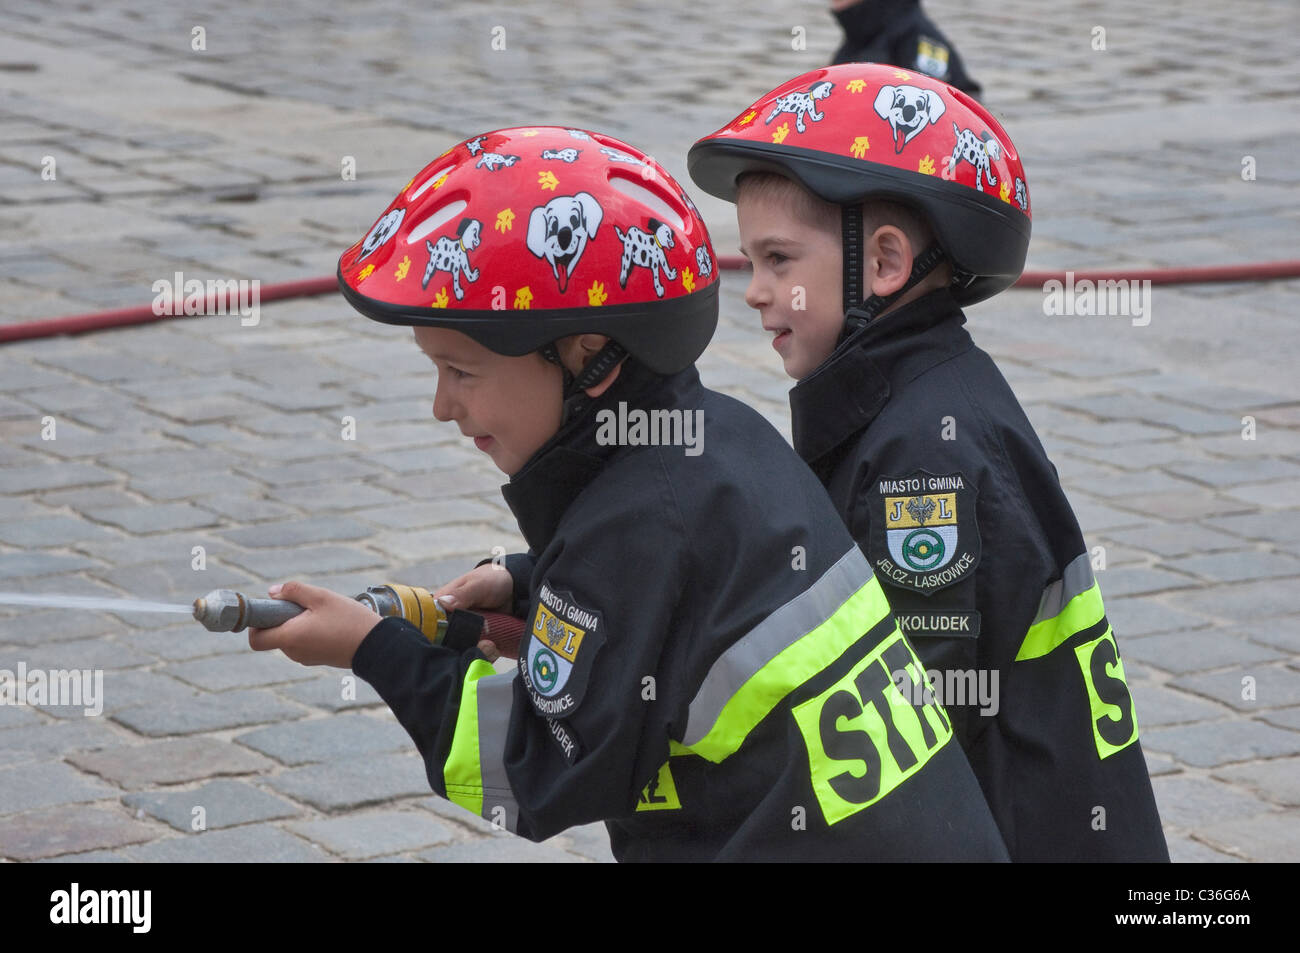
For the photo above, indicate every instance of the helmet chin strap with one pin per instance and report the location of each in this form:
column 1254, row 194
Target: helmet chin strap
column 595, row 371
column 859, row 310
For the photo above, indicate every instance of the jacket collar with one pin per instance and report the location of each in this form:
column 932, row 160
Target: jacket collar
column 848, row 391
column 541, row 493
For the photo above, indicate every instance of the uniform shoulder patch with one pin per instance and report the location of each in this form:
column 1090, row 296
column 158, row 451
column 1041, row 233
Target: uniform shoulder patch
column 562, row 641
column 923, row 535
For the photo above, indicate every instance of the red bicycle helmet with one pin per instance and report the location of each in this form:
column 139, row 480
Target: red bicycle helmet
column 520, row 237
column 869, row 131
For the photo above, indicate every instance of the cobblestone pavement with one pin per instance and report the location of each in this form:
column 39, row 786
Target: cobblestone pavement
column 1178, row 439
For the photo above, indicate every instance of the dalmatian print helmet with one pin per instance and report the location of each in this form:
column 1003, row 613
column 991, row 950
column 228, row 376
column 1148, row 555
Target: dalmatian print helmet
column 867, row 130
column 523, row 236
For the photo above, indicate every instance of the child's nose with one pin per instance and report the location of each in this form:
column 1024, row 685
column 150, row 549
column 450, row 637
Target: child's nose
column 756, row 294
column 444, row 408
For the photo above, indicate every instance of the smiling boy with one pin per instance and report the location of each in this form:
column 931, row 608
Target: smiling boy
column 710, row 674
column 866, row 233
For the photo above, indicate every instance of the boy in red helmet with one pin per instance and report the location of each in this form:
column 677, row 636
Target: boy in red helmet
column 901, row 200
column 709, row 674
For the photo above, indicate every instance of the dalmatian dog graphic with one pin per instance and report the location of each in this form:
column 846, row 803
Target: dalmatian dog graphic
column 475, row 146
column 564, row 155
column 908, row 110
column 617, row 155
column 802, row 104
column 452, row 255
column 703, row 264
column 559, row 231
column 579, row 134
column 1022, row 195
column 494, row 160
column 384, row 229
column 977, row 150
column 646, row 250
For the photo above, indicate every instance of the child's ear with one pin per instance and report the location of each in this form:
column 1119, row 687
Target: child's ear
column 889, row 260
column 577, row 350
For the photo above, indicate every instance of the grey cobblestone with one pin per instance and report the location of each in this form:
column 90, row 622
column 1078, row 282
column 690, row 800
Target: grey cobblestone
column 77, row 830
column 1278, row 780
column 47, row 476
column 1241, row 601
column 328, row 739
column 339, row 497
column 47, row 784
column 1261, row 837
column 38, row 628
column 1227, row 473
column 1266, row 527
column 297, row 532
column 365, row 836
column 334, row 692
column 29, row 563
column 266, row 842
column 156, row 518
column 239, row 670
column 285, row 563
column 1264, row 687
column 212, row 806
column 509, row 849
column 355, row 782
column 1237, row 567
column 1227, row 743
column 209, row 713
column 1192, row 803
column 174, row 761
column 1158, row 705
column 1131, row 581
column 47, row 531
column 1183, row 652
column 1174, row 539
column 1184, row 851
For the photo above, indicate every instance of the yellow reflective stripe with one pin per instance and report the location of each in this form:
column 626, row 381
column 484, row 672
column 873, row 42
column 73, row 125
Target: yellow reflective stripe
column 1081, row 612
column 462, row 773
column 790, row 668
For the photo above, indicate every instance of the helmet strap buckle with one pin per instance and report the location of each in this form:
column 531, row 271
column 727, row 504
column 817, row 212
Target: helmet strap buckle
column 860, row 315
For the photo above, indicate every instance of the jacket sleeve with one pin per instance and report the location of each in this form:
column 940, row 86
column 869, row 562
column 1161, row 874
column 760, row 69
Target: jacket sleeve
column 575, row 733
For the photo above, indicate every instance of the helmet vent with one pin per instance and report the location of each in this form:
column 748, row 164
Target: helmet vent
column 444, row 214
column 655, row 202
column 424, row 186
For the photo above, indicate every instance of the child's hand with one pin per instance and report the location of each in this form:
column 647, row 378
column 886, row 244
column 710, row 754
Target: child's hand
column 486, row 588
column 327, row 633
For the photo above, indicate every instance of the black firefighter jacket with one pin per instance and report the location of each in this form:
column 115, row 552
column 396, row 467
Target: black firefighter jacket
column 942, row 481
column 709, row 665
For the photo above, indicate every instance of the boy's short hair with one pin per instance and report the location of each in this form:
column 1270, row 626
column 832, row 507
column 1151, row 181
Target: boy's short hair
column 815, row 212
column 801, row 204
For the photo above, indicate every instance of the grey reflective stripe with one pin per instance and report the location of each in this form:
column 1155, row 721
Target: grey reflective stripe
column 760, row 644
column 495, row 699
column 1077, row 578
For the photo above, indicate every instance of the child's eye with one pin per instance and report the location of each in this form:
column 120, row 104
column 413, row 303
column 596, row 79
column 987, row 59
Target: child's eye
column 776, row 258
column 457, row 373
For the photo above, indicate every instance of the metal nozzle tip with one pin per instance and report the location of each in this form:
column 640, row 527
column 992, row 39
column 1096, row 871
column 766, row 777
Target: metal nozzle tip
column 200, row 607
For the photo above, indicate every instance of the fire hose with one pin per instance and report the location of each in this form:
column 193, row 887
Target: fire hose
column 216, row 303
